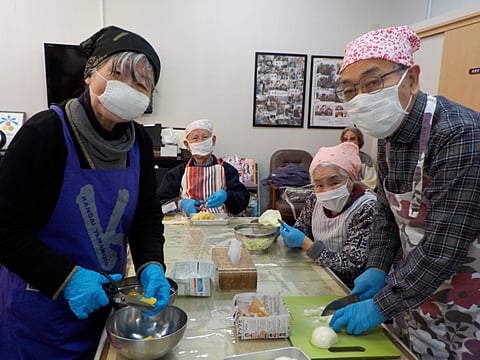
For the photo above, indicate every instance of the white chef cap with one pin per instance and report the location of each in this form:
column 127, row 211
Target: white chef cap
column 204, row 124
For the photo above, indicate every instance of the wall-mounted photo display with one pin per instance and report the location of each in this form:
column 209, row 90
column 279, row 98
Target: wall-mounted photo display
column 279, row 93
column 325, row 109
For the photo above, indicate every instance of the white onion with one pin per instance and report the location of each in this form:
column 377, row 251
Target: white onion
column 323, row 337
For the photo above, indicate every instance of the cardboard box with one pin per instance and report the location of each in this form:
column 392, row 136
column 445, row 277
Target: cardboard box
column 194, row 277
column 234, row 277
column 274, row 326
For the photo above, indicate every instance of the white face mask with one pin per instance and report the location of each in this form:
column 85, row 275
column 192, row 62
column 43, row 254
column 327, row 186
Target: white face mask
column 122, row 100
column 334, row 200
column 202, row 148
column 379, row 114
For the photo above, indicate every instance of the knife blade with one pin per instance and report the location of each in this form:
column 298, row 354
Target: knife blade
column 339, row 303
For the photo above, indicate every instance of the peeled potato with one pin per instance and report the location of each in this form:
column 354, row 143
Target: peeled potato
column 323, row 337
column 150, row 300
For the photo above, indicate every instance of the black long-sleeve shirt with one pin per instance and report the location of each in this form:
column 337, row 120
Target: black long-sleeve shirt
column 31, row 176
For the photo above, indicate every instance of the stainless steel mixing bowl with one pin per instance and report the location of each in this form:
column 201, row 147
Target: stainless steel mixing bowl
column 256, row 237
column 138, row 337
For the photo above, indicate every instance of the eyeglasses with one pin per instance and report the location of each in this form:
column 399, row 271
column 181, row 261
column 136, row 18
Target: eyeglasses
column 370, row 84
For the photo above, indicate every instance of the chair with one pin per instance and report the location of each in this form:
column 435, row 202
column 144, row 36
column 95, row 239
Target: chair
column 278, row 159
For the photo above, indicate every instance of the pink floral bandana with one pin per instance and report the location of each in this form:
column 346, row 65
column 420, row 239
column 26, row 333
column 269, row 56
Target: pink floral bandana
column 396, row 44
column 345, row 156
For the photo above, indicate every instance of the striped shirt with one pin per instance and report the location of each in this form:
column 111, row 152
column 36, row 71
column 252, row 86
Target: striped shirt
column 452, row 221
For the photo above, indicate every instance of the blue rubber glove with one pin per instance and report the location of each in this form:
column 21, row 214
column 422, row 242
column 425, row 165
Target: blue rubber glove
column 357, row 318
column 216, row 199
column 156, row 285
column 369, row 283
column 291, row 237
column 189, row 206
column 84, row 291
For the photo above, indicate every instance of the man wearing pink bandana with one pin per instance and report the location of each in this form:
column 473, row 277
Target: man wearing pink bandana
column 423, row 269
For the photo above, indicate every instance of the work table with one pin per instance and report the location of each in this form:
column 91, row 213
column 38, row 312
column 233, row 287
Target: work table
column 210, row 332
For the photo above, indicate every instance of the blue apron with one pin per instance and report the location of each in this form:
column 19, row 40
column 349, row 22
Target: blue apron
column 89, row 225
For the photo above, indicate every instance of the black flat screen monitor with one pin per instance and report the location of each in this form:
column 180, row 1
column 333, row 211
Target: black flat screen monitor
column 64, row 65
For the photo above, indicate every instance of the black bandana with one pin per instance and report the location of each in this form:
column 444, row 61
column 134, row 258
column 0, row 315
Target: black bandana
column 111, row 40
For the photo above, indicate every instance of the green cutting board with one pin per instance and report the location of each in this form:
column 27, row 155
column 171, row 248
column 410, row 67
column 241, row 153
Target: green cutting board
column 374, row 343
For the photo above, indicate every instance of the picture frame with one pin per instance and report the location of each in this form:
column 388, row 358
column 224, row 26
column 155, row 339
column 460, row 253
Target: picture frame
column 325, row 110
column 10, row 123
column 279, row 89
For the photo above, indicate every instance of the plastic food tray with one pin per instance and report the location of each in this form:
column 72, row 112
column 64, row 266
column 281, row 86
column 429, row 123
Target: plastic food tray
column 291, row 351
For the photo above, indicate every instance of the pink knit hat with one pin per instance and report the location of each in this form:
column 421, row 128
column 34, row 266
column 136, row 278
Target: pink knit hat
column 396, row 44
column 344, row 155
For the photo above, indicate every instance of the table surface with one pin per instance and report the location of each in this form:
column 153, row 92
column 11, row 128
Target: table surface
column 210, row 333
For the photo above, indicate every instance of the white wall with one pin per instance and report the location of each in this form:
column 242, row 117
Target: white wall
column 207, row 50
column 442, row 7
column 24, row 27
column 429, row 57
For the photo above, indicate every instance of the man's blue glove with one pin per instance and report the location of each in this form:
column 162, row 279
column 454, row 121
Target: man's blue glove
column 357, row 318
column 84, row 291
column 216, row 199
column 369, row 283
column 189, row 206
column 291, row 236
column 156, row 285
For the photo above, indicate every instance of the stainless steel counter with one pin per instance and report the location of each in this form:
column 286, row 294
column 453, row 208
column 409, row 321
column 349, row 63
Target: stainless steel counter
column 210, row 333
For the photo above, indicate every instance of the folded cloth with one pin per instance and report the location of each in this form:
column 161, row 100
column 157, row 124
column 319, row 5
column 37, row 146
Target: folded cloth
column 288, row 175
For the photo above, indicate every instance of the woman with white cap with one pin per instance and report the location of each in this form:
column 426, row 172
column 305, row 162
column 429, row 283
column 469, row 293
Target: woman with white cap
column 334, row 226
column 428, row 202
column 204, row 182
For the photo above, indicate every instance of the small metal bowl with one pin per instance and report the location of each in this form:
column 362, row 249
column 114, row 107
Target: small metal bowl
column 138, row 337
column 132, row 283
column 256, row 237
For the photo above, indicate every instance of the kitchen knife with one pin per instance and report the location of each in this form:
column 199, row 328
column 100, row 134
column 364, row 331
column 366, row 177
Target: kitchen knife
column 339, row 303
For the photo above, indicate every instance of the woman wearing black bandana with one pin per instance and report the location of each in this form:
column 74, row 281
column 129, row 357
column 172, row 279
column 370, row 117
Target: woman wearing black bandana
column 76, row 182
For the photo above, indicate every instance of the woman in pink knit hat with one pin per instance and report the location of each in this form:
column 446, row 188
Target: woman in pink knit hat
column 334, row 226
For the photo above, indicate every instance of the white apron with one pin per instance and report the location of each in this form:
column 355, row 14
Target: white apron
column 437, row 328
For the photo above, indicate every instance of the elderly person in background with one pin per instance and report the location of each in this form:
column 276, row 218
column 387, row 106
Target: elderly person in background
column 334, row 226
column 84, row 185
column 368, row 173
column 428, row 198
column 204, row 182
